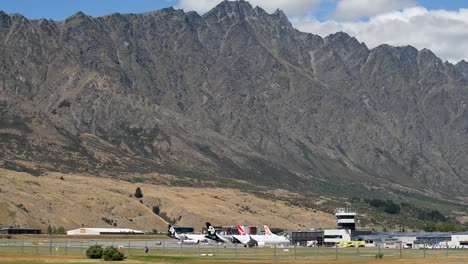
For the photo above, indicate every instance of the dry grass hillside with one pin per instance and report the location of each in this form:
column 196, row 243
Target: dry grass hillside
column 75, row 201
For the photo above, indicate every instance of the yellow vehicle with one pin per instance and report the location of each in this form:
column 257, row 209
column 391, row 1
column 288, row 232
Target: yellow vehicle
column 360, row 243
column 346, row 244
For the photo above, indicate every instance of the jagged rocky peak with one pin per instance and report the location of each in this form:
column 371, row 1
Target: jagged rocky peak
column 18, row 19
column 170, row 11
column 231, row 9
column 5, row 20
column 17, row 16
column 282, row 18
column 77, row 18
column 115, row 16
column 337, row 37
column 243, row 10
column 342, row 39
column 348, row 48
column 117, row 19
column 258, row 11
column 462, row 67
column 79, row 15
column 193, row 14
column 408, row 52
column 194, row 18
column 402, row 53
column 3, row 15
column 236, row 76
column 382, row 50
column 427, row 58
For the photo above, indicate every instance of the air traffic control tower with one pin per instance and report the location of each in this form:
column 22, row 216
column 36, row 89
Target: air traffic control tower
column 345, row 219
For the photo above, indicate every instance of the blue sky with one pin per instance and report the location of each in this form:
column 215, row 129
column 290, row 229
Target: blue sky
column 438, row 25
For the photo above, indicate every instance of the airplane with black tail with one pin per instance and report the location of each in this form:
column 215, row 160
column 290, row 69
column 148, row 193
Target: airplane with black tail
column 213, row 235
column 186, row 238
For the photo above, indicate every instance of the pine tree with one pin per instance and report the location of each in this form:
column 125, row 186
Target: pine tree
column 138, row 193
column 156, row 209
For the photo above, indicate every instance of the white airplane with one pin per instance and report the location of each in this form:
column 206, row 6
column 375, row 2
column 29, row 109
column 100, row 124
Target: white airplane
column 245, row 239
column 271, row 238
column 186, row 238
column 259, row 240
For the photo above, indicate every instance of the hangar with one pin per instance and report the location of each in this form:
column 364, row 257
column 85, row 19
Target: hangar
column 12, row 230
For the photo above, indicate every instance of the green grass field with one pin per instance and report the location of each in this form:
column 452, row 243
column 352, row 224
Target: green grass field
column 135, row 250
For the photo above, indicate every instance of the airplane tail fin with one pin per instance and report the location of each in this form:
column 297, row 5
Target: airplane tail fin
column 211, row 229
column 267, row 231
column 241, row 230
column 171, row 232
column 212, row 234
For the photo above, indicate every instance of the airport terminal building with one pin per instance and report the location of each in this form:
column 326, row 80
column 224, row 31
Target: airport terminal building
column 347, row 235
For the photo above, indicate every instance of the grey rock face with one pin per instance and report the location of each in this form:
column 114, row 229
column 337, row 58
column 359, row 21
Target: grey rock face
column 237, row 93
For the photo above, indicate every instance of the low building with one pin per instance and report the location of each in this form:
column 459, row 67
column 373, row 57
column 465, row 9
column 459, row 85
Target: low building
column 407, row 239
column 433, row 238
column 307, row 238
column 104, row 231
column 19, row 231
column 184, row 229
column 459, row 239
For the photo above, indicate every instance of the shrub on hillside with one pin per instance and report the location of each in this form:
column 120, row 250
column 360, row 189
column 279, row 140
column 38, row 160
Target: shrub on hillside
column 112, row 254
column 156, row 209
column 138, row 193
column 94, row 252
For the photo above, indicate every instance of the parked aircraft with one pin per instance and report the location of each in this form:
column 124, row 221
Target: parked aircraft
column 258, row 240
column 244, row 238
column 270, row 238
column 186, row 238
column 267, row 231
column 213, row 235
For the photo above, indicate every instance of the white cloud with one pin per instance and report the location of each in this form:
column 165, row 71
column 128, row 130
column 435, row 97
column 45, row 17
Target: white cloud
column 354, row 9
column 443, row 32
column 290, row 7
column 200, row 6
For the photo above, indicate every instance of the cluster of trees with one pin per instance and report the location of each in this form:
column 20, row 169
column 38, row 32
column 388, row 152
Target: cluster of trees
column 52, row 230
column 442, row 227
column 433, row 219
column 387, row 205
column 163, row 215
column 423, row 213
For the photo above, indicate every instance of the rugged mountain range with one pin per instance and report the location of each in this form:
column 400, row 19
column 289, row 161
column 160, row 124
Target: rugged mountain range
column 235, row 94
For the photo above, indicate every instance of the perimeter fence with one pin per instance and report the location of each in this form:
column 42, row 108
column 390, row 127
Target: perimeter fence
column 222, row 251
